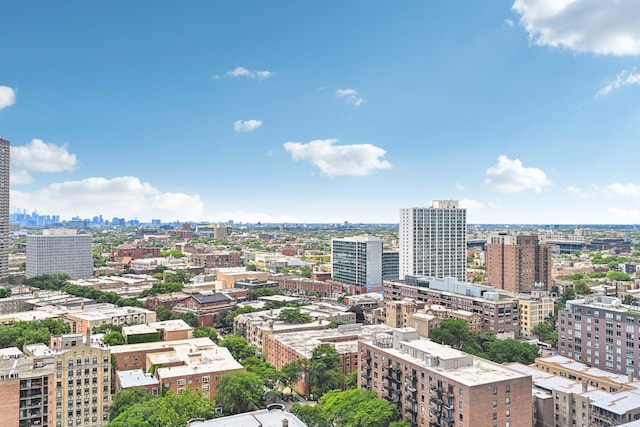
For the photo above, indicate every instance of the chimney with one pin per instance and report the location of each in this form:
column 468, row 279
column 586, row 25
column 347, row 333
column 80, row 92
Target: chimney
column 630, row 375
column 584, row 386
column 285, row 422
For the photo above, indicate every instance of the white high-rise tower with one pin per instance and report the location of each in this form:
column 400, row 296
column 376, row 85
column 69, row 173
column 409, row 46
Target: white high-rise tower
column 433, row 241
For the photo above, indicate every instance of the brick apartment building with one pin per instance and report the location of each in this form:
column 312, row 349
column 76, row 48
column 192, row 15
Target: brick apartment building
column 435, row 385
column 516, row 263
column 499, row 311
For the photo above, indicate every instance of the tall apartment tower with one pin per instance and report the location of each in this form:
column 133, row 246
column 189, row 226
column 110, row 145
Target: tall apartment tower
column 4, row 209
column 516, row 263
column 59, row 251
column 433, row 241
column 357, row 261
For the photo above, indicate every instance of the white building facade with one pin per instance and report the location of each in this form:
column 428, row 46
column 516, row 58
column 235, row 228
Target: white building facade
column 433, row 241
column 59, row 251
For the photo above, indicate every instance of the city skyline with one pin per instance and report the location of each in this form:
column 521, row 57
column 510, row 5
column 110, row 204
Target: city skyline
column 323, row 113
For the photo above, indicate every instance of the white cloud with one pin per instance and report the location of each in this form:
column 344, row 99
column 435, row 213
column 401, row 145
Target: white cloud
column 575, row 190
column 244, row 72
column 7, row 97
column 241, row 126
column 622, row 79
column 336, row 160
column 350, row 96
column 119, row 197
column 38, row 156
column 605, row 27
column 509, row 22
column 459, row 186
column 625, row 190
column 509, row 176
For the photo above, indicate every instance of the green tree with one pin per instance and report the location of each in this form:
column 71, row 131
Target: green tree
column 174, row 410
column 351, row 381
column 510, row 350
column 293, row 315
column 163, row 314
column 189, row 318
column 52, row 282
column 306, row 271
column 252, row 267
column 311, row 415
column 266, row 371
column 206, row 332
column 163, row 288
column 238, row 346
column 325, row 370
column 239, row 391
column 630, row 300
column 114, row 338
column 122, row 399
column 546, row 333
column 582, row 288
column 292, row 372
column 5, row 292
column 358, row 408
column 618, row 276
column 453, row 332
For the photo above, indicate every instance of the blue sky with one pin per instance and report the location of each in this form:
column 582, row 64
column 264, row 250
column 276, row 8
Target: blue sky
column 525, row 111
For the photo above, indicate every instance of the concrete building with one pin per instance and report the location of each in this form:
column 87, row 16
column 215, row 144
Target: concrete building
column 498, row 310
column 357, row 261
column 602, row 332
column 517, row 263
column 59, row 251
column 284, row 348
column 433, row 241
column 436, row 385
column 5, row 150
column 534, row 309
column 82, row 386
column 81, row 319
column 567, row 393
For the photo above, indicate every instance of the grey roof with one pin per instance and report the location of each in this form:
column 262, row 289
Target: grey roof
column 213, row 297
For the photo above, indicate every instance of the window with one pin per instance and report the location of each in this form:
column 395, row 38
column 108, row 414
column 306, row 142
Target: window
column 181, row 381
column 495, row 391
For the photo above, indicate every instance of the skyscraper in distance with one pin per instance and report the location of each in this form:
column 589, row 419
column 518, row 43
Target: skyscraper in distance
column 5, row 149
column 433, row 241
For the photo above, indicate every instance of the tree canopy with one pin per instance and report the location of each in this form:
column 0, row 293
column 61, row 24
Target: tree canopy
column 350, row 408
column 294, row 315
column 456, row 333
column 170, row 410
column 20, row 333
column 239, row 391
column 325, row 370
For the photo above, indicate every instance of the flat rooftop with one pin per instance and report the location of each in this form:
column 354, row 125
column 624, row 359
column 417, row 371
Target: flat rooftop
column 135, row 378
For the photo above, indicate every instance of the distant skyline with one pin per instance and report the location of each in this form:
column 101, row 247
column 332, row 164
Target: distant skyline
column 525, row 111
